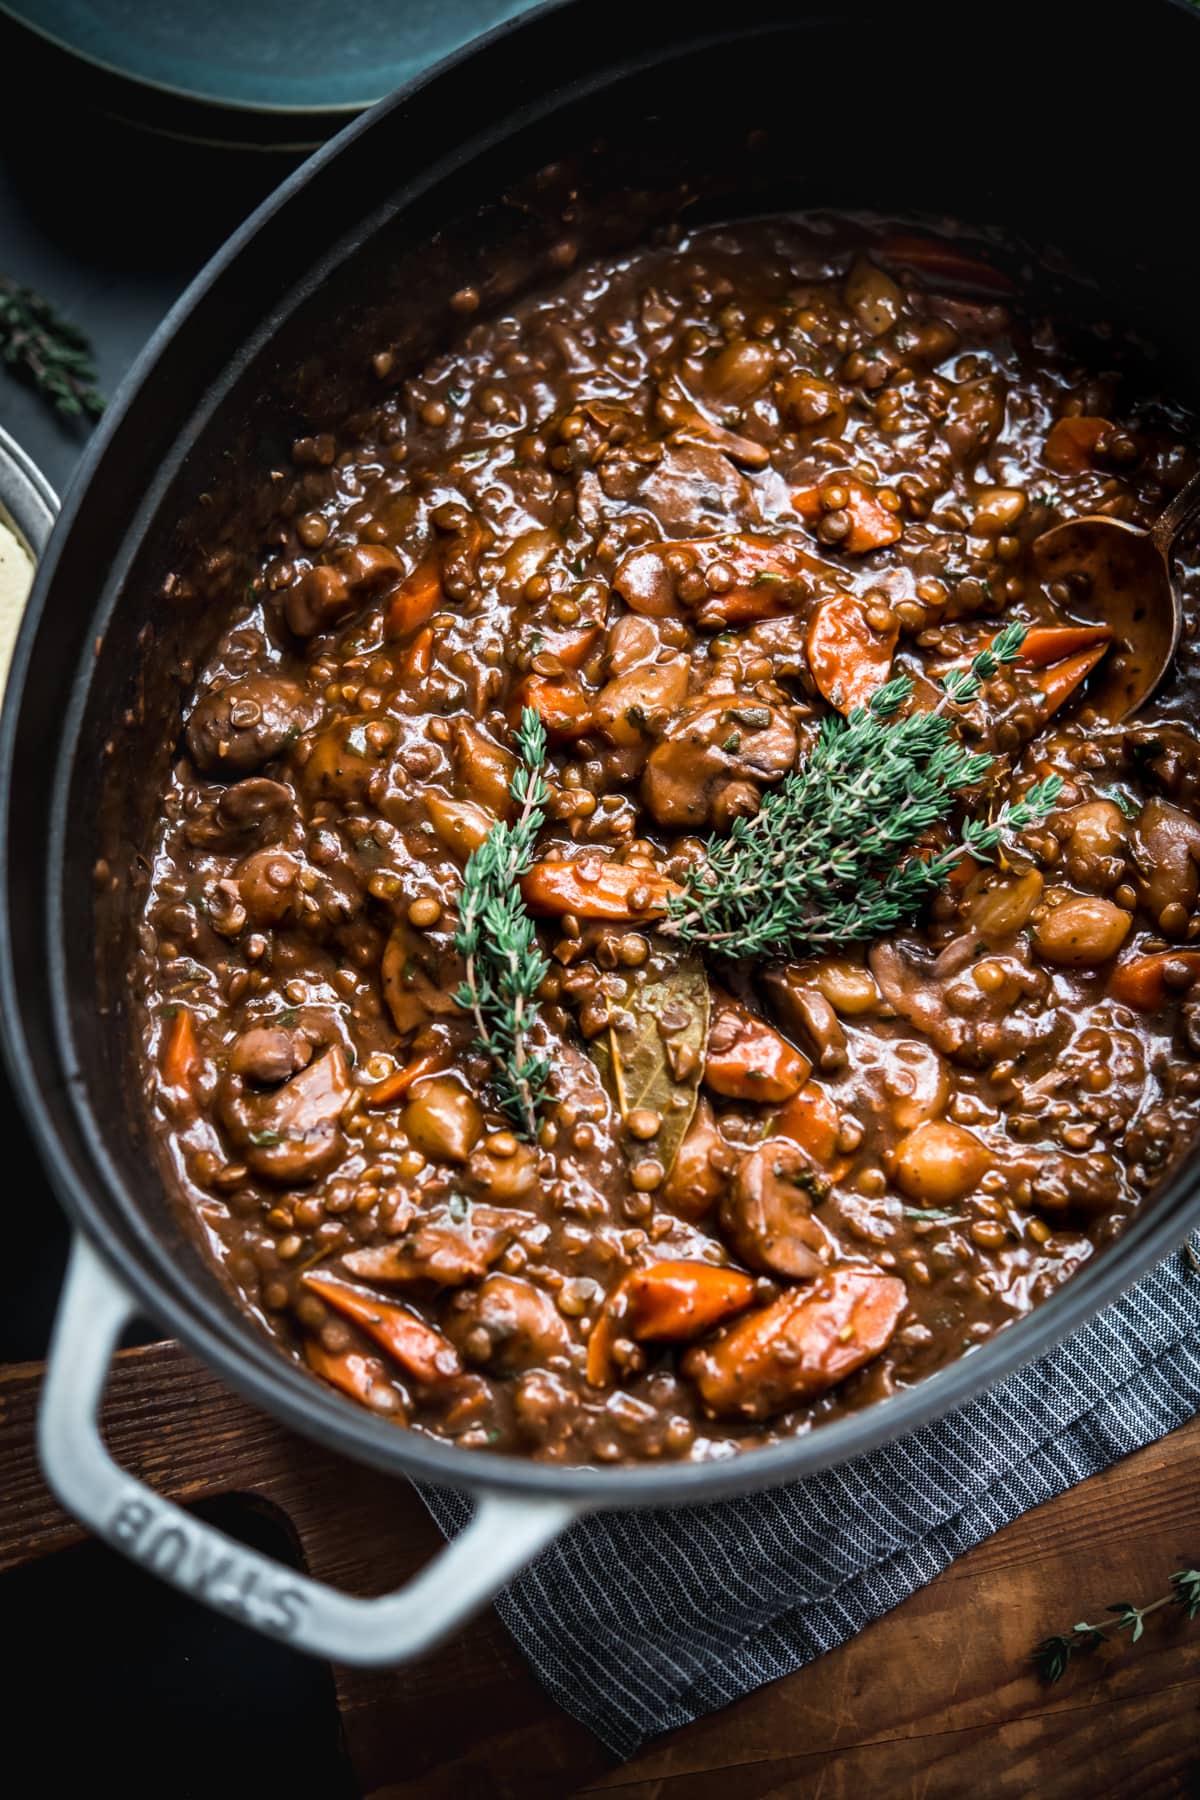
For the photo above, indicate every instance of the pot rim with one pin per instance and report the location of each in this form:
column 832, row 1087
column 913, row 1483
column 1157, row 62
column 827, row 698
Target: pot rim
column 26, row 497
column 208, row 1326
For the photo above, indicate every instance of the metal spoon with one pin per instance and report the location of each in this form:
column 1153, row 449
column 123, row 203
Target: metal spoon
column 1127, row 584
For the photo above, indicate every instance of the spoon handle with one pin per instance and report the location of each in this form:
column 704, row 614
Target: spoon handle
column 1171, row 521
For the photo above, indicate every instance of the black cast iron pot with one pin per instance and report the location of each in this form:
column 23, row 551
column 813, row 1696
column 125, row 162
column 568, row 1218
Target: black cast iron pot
column 1066, row 125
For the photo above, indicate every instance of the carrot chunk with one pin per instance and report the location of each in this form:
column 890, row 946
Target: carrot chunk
column 415, row 600
column 596, row 888
column 849, row 659
column 799, row 1346
column 1146, row 982
column 871, row 524
column 417, row 660
column 748, row 1059
column 1071, row 443
column 1047, row 644
column 811, row 1120
column 667, row 1302
column 769, row 579
column 573, row 646
column 420, row 1351
column 1058, row 683
column 395, row 1086
column 355, row 1374
column 944, row 261
column 181, row 1058
column 560, row 702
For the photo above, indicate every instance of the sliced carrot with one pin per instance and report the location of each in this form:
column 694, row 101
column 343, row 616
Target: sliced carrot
column 417, row 660
column 1057, row 684
column 811, row 1120
column 1047, row 644
column 181, row 1058
column 800, row 1345
column 871, row 524
column 849, row 659
column 596, row 888
column 931, row 256
column 964, row 869
column 355, row 1374
column 1070, row 444
column 767, row 579
column 573, row 647
column 395, row 1086
column 767, row 583
column 421, row 1351
column 748, row 1059
column 668, row 1302
column 415, row 600
column 560, row 702
column 1142, row 982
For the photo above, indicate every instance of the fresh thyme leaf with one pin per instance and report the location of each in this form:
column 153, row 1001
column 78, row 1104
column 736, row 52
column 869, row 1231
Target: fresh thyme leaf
column 497, row 941
column 45, row 350
column 1051, row 1658
column 1128, row 805
column 832, row 855
column 1186, row 1583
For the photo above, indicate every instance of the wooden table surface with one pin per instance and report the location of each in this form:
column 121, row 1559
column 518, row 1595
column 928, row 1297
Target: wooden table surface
column 935, row 1700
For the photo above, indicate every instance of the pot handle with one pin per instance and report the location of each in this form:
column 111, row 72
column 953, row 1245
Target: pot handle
column 505, row 1532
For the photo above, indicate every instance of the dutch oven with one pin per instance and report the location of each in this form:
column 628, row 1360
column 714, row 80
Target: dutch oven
column 1066, row 127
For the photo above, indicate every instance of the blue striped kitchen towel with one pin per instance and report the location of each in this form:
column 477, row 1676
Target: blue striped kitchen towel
column 639, row 1622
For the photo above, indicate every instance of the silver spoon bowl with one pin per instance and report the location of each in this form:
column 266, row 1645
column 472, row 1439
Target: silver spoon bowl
column 1120, row 575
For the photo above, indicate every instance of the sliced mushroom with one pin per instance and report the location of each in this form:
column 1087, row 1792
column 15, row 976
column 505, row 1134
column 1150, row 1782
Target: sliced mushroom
column 268, row 1054
column 1166, row 848
column 692, row 488
column 268, row 883
column 250, row 810
column 344, row 760
column 807, row 1015
column 238, row 728
column 324, row 594
column 908, row 983
column 713, row 759
column 291, row 1133
column 509, row 1324
column 768, row 1213
column 444, row 1249
column 632, row 708
column 421, row 972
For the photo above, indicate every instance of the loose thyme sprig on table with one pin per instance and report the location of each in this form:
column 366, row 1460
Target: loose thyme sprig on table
column 498, row 943
column 829, row 857
column 47, row 351
column 1054, row 1654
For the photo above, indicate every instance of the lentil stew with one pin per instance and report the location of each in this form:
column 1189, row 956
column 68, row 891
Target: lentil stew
column 683, row 508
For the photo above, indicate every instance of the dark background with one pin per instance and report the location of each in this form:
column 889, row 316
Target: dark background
column 114, row 1681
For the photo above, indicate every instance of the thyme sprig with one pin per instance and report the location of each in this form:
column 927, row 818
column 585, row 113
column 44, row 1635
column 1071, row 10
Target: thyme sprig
column 504, row 965
column 832, row 855
column 50, row 353
column 1053, row 1655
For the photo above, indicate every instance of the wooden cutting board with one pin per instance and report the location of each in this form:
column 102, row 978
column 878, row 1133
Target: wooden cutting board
column 935, row 1701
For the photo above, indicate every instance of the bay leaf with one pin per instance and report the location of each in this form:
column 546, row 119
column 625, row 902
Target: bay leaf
column 652, row 1057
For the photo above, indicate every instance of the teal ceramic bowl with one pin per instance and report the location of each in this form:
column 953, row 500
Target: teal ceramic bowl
column 285, row 71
